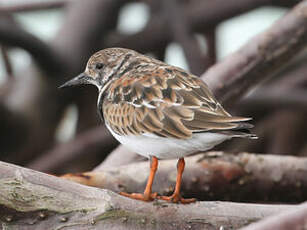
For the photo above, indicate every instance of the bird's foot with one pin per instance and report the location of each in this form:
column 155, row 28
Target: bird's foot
column 176, row 198
column 140, row 196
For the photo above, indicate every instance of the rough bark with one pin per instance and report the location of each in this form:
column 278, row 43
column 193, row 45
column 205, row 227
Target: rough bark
column 33, row 200
column 213, row 176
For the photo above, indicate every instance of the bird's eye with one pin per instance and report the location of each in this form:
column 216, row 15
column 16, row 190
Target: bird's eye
column 99, row 66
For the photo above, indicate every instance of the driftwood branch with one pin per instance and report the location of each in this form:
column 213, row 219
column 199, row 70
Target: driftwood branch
column 213, row 176
column 30, row 199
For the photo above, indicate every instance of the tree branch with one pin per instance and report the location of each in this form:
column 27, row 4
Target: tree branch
column 31, row 199
column 214, row 176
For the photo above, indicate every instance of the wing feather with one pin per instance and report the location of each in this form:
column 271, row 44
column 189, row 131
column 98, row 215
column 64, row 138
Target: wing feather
column 168, row 103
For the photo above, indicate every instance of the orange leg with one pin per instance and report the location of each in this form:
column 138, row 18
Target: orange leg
column 147, row 195
column 176, row 197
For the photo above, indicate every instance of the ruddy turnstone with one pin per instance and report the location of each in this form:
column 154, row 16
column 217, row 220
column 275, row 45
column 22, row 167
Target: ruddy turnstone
column 157, row 110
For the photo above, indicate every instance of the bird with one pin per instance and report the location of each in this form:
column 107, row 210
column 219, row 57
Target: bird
column 157, row 110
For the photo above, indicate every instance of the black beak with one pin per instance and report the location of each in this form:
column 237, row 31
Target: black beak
column 79, row 80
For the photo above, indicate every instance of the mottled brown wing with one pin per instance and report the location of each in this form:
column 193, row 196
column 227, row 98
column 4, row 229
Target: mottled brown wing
column 168, row 102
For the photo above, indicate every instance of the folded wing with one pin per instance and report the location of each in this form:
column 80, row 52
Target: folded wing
column 168, row 103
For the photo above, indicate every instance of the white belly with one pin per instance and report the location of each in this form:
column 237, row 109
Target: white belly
column 167, row 148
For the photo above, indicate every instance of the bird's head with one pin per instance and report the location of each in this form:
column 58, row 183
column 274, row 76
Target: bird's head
column 103, row 67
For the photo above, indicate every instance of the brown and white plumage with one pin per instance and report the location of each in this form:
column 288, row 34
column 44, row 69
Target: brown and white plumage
column 157, row 110
column 139, row 95
column 168, row 103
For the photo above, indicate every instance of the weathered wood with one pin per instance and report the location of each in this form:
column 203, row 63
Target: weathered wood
column 213, row 176
column 33, row 200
